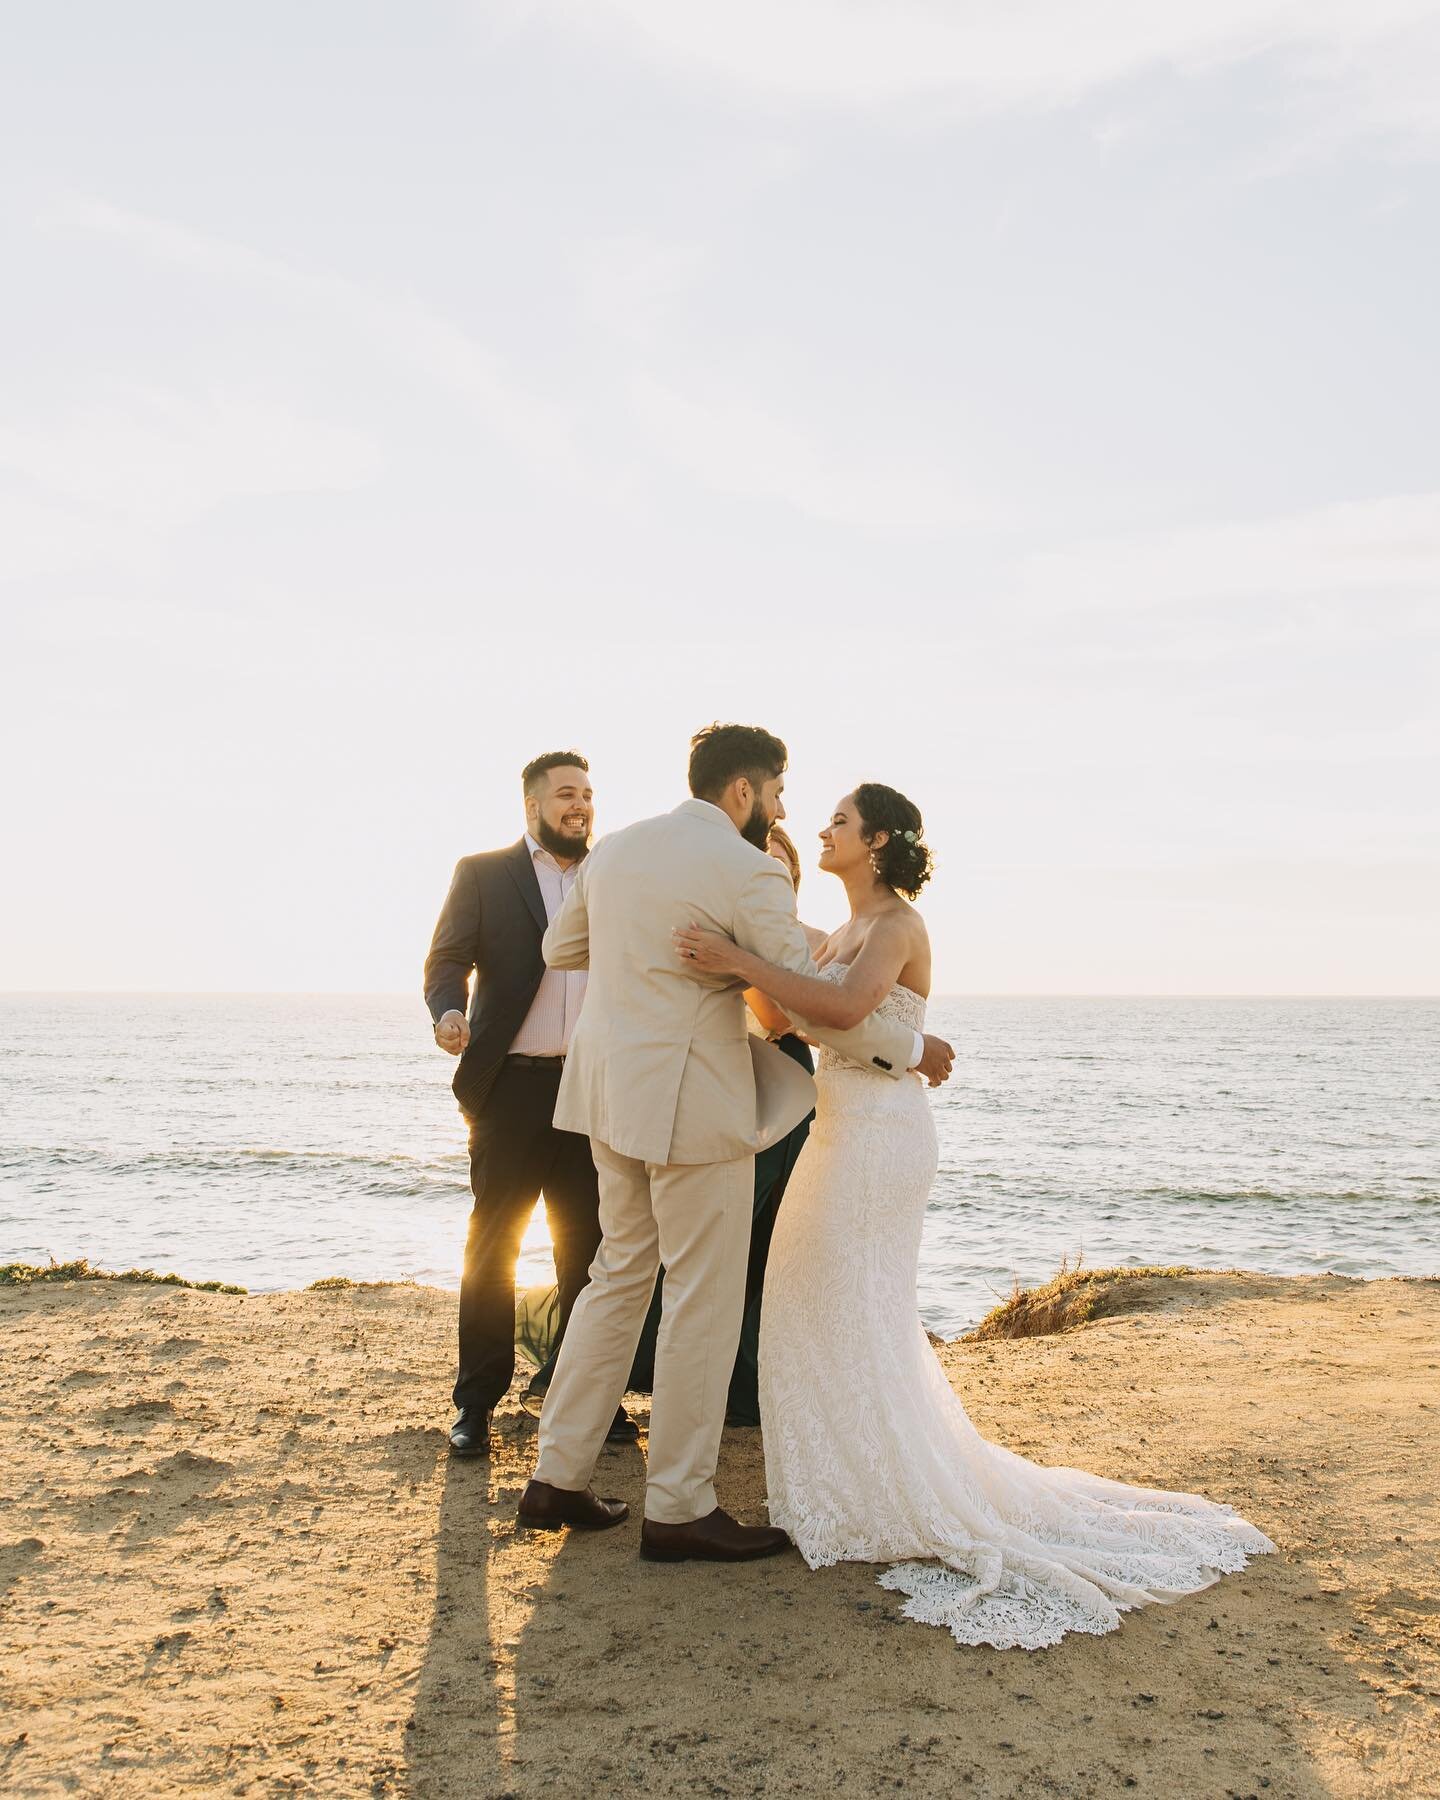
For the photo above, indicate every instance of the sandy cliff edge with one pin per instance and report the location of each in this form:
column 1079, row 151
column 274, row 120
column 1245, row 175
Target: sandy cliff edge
column 235, row 1554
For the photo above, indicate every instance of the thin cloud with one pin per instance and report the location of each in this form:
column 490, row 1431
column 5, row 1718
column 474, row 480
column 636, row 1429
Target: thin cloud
column 734, row 447
column 1377, row 61
column 160, row 456
column 96, row 484
column 630, row 284
column 405, row 329
column 1388, row 546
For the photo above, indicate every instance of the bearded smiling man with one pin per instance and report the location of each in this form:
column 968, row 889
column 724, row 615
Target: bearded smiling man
column 511, row 1035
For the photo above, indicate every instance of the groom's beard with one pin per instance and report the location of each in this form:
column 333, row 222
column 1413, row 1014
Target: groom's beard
column 756, row 829
column 561, row 845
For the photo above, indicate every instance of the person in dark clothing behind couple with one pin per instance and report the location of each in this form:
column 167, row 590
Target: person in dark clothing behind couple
column 772, row 1171
column 511, row 1039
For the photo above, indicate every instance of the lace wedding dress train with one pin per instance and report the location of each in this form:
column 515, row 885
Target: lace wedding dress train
column 869, row 1455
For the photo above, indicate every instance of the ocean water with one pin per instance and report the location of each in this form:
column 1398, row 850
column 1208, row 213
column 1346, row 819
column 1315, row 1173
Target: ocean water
column 271, row 1140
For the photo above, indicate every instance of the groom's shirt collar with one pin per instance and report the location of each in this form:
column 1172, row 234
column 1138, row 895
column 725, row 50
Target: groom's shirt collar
column 706, row 809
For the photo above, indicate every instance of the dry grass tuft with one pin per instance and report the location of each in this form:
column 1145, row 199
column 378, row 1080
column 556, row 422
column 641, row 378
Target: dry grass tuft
column 1071, row 1297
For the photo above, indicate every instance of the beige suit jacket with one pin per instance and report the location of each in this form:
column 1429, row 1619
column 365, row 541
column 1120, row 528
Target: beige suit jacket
column 662, row 1066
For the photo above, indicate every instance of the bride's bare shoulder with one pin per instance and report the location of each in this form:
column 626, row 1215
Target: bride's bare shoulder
column 906, row 921
column 915, row 971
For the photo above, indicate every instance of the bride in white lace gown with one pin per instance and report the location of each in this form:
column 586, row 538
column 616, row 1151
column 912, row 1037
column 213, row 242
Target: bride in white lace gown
column 869, row 1454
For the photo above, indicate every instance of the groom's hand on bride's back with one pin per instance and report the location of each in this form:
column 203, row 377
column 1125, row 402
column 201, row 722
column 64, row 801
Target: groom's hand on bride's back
column 452, row 1032
column 939, row 1058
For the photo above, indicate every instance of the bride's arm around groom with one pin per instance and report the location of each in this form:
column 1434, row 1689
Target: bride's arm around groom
column 765, row 925
column 763, row 921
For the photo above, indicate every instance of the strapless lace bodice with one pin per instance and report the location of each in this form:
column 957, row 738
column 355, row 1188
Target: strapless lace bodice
column 902, row 1004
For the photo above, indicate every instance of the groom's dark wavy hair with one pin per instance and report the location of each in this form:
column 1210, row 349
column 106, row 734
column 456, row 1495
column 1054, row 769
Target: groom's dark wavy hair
column 721, row 754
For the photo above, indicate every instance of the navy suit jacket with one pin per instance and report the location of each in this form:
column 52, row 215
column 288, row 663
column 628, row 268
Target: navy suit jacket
column 491, row 924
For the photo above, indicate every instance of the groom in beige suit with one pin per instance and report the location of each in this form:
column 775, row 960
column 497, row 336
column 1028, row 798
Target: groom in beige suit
column 676, row 1097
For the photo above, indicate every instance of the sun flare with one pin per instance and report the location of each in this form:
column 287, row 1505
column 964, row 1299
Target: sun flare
column 535, row 1266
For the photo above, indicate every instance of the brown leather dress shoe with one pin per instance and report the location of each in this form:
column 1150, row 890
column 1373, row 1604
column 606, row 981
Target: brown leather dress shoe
column 549, row 1508
column 715, row 1538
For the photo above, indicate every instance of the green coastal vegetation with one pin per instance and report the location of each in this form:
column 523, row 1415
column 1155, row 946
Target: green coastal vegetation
column 328, row 1284
column 18, row 1274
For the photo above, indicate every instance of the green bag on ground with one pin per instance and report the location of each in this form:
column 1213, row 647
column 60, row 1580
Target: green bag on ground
column 537, row 1322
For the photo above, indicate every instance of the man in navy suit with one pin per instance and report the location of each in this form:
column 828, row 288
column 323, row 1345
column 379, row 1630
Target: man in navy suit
column 511, row 1034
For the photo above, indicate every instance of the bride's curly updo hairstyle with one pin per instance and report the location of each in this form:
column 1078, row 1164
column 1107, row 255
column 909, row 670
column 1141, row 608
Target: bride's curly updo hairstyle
column 903, row 861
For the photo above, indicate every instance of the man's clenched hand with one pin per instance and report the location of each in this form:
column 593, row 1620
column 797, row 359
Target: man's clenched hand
column 936, row 1063
column 452, row 1032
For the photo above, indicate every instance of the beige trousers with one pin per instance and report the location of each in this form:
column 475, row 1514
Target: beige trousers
column 695, row 1219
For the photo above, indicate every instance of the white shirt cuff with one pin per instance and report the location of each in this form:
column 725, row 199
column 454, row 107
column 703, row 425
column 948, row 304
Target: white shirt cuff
column 918, row 1051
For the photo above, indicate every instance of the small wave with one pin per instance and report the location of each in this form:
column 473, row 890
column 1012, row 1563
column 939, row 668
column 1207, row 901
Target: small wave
column 1294, row 1197
column 260, row 1153
column 400, row 1176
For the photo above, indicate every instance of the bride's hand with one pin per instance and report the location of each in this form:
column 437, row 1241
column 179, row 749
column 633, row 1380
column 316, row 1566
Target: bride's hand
column 707, row 952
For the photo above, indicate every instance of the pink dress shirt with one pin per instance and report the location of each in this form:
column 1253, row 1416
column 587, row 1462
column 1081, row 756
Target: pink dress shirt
column 551, row 1019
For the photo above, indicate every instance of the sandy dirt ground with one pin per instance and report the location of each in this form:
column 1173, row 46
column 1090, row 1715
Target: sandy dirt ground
column 235, row 1556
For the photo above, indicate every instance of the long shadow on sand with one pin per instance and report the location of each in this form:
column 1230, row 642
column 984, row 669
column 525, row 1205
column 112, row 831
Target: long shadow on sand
column 468, row 1738
column 454, row 1746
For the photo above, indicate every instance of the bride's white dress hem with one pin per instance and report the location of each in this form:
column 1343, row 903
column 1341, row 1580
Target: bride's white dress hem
column 869, row 1453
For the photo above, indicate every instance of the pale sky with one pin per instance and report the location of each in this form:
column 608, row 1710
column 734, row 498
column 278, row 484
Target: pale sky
column 1030, row 405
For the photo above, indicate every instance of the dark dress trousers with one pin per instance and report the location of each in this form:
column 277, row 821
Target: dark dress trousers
column 491, row 923
column 772, row 1171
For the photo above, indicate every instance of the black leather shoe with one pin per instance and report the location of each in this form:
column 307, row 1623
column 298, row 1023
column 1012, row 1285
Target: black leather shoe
column 549, row 1508
column 470, row 1434
column 715, row 1538
column 623, row 1429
